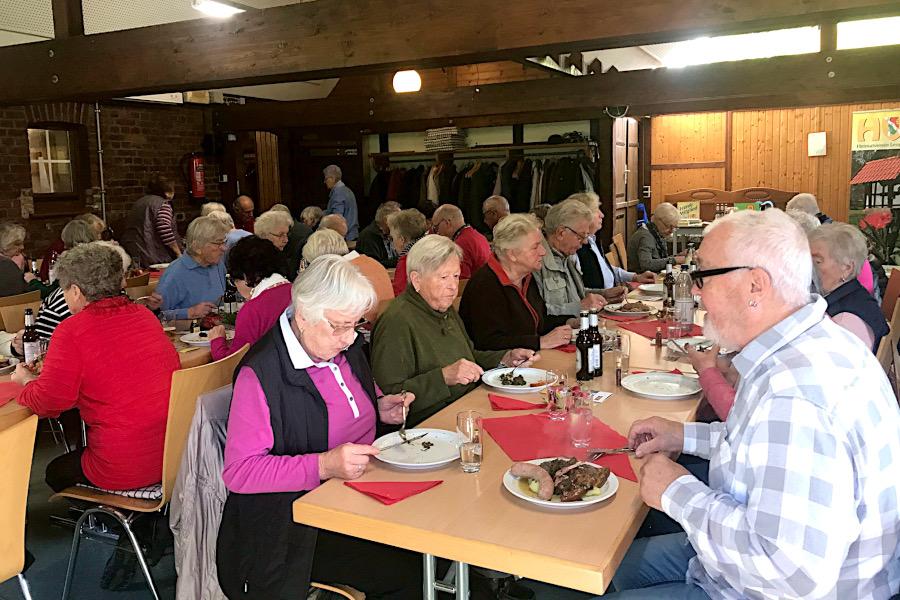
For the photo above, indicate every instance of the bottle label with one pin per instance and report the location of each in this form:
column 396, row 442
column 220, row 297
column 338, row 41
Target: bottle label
column 595, row 358
column 577, row 362
column 32, row 351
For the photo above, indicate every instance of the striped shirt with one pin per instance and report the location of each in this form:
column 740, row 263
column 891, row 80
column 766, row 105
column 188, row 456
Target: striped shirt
column 165, row 224
column 54, row 311
column 804, row 474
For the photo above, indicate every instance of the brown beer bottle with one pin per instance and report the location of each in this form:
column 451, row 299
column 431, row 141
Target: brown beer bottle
column 583, row 351
column 30, row 339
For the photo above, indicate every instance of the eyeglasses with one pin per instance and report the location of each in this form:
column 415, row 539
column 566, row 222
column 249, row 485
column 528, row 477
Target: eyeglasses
column 698, row 276
column 582, row 237
column 281, row 236
column 339, row 330
column 218, row 243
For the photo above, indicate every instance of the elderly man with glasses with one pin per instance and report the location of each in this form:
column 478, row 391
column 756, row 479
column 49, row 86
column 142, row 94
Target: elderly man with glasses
column 647, row 250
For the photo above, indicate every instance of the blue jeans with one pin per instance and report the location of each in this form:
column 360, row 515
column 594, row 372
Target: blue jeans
column 655, row 568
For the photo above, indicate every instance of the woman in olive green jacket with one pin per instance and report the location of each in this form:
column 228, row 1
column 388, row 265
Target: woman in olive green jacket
column 420, row 343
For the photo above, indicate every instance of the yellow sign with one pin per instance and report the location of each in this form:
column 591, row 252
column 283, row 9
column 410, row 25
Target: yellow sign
column 876, row 130
column 689, row 210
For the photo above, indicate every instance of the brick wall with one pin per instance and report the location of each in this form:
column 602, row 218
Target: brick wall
column 138, row 139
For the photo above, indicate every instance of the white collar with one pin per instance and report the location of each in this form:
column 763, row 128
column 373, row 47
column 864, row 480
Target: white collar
column 299, row 357
column 267, row 283
column 353, row 254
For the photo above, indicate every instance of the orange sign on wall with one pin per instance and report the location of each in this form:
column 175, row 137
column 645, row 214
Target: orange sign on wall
column 876, row 130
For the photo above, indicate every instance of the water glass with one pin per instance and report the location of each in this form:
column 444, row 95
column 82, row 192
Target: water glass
column 624, row 352
column 558, row 395
column 471, row 448
column 581, row 418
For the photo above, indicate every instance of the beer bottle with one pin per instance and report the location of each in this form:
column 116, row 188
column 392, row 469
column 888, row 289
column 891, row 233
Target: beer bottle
column 669, row 283
column 596, row 345
column 583, row 350
column 30, row 339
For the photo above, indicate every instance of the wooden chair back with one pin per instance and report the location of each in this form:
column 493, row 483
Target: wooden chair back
column 618, row 242
column 16, row 450
column 613, row 257
column 885, row 356
column 13, row 317
column 137, row 281
column 462, row 287
column 890, row 295
column 25, row 298
column 139, row 291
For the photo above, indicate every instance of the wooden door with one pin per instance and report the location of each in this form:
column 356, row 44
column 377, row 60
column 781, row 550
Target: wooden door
column 620, row 161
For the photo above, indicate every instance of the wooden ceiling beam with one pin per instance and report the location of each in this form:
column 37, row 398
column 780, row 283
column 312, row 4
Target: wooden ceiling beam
column 331, row 38
column 803, row 80
column 68, row 19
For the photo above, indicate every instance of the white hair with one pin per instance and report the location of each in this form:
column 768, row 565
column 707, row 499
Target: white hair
column 280, row 208
column 450, row 212
column 312, row 214
column 204, row 230
column 509, row 232
column 12, row 235
column 806, row 221
column 846, row 244
column 223, row 216
column 668, row 213
column 211, row 207
column 332, row 171
column 772, row 241
column 804, row 202
column 331, row 283
column 498, row 203
column 589, row 199
column 430, row 253
column 322, row 242
column 267, row 222
column 568, row 213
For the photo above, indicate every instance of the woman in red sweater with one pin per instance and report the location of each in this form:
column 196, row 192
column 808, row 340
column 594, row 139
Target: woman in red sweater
column 111, row 361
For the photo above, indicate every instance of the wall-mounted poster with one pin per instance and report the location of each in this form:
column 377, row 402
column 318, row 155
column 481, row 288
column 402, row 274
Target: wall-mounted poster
column 875, row 161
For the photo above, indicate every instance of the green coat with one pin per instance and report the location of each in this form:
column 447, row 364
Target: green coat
column 412, row 342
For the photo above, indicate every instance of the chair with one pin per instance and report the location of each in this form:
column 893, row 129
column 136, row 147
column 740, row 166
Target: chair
column 138, row 291
column 613, row 258
column 16, row 449
column 25, row 298
column 342, row 590
column 13, row 317
column 890, row 295
column 618, row 241
column 462, row 286
column 187, row 385
column 137, row 280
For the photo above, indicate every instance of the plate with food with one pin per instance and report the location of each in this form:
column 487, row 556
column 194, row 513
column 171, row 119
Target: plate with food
column 630, row 309
column 520, row 380
column 561, row 482
column 160, row 266
column 202, row 338
column 658, row 385
column 698, row 342
column 426, row 449
column 8, row 364
column 653, row 289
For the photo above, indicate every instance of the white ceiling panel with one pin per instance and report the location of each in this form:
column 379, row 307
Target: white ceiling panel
column 9, row 38
column 299, row 90
column 29, row 17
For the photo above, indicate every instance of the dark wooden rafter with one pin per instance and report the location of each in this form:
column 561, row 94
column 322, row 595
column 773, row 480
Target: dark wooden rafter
column 802, row 80
column 68, row 19
column 331, row 38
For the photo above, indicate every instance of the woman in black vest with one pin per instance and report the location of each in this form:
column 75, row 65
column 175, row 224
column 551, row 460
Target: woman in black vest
column 304, row 410
column 838, row 252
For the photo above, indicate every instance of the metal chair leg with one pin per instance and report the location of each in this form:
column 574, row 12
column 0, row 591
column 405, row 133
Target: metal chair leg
column 23, row 583
column 140, row 555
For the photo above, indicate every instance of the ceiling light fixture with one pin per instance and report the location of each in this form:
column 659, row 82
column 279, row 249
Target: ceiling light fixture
column 212, row 8
column 407, row 81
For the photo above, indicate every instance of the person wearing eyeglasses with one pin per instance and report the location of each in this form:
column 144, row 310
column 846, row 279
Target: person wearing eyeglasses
column 567, row 227
column 304, row 410
column 647, row 249
column 494, row 210
column 192, row 285
column 448, row 221
column 243, row 208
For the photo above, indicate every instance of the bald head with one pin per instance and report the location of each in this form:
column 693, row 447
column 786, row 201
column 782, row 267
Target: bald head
column 494, row 209
column 447, row 219
column 243, row 208
column 336, row 223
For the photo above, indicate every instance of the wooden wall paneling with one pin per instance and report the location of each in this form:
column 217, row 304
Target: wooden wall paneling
column 267, row 170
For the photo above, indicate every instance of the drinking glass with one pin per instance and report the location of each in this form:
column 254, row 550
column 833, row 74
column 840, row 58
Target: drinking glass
column 673, row 332
column 581, row 418
column 471, row 449
column 557, row 396
column 624, row 352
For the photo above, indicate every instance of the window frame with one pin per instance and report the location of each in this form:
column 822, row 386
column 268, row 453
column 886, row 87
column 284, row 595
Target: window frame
column 64, row 203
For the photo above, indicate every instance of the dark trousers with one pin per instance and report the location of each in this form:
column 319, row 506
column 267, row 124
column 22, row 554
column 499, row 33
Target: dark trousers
column 658, row 522
column 65, row 471
column 382, row 572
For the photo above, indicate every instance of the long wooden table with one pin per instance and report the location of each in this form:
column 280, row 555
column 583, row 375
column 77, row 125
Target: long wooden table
column 472, row 519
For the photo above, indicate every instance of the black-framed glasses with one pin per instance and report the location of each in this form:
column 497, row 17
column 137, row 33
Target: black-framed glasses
column 698, row 276
column 581, row 237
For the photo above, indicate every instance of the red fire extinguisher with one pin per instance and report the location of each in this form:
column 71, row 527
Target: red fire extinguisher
column 198, row 182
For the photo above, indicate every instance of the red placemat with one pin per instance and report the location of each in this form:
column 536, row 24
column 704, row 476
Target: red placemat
column 391, row 492
column 622, row 318
column 9, row 391
column 648, row 329
column 526, row 437
column 499, row 402
column 570, row 348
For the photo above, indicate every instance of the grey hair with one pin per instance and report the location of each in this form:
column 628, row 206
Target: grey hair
column 92, row 220
column 204, row 230
column 589, row 199
column 806, row 221
column 280, row 208
column 311, row 213
column 804, row 202
column 211, row 207
column 77, row 232
column 667, row 212
column 509, row 232
column 267, row 222
column 385, row 210
column 772, row 241
column 224, row 217
column 430, row 253
column 331, row 283
column 407, row 224
column 95, row 268
column 498, row 203
column 846, row 244
column 567, row 213
column 322, row 242
column 11, row 236
column 332, row 171
column 331, row 221
column 450, row 212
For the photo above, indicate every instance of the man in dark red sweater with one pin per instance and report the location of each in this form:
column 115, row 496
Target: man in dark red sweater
column 448, row 221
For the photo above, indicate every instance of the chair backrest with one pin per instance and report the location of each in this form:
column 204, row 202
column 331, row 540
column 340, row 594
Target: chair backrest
column 139, row 291
column 618, row 242
column 13, row 317
column 137, row 281
column 884, row 355
column 462, row 287
column 16, row 449
column 187, row 386
column 25, row 298
column 890, row 295
column 613, row 257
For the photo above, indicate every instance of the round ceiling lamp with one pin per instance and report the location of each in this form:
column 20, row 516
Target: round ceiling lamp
column 407, row 81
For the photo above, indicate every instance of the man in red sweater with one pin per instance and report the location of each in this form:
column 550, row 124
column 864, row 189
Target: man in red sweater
column 448, row 221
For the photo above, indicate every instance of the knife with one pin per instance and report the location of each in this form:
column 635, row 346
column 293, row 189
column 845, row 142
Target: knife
column 400, row 443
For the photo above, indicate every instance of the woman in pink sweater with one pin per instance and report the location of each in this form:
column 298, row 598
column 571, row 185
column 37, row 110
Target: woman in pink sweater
column 253, row 264
column 717, row 378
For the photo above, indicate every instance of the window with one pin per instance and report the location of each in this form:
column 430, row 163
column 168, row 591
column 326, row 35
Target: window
column 51, row 152
column 868, row 33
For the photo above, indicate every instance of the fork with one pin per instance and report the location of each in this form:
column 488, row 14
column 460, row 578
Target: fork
column 601, row 452
column 403, row 426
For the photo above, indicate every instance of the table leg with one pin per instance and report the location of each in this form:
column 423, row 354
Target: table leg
column 428, row 592
column 462, row 581
column 459, row 571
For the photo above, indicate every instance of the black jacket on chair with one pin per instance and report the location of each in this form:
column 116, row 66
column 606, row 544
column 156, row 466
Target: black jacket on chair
column 853, row 298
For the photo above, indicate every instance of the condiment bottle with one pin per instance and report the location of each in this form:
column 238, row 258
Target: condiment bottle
column 619, row 372
column 659, row 337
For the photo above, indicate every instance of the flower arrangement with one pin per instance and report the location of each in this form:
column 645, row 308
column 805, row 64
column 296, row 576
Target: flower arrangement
column 882, row 228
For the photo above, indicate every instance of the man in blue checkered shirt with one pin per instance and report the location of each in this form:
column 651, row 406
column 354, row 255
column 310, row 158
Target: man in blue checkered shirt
column 804, row 474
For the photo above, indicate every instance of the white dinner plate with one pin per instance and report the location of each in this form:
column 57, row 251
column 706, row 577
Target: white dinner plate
column 13, row 361
column 160, row 266
column 613, row 309
column 511, row 483
column 661, row 386
column 679, row 344
column 492, row 378
column 444, row 449
column 195, row 339
column 656, row 289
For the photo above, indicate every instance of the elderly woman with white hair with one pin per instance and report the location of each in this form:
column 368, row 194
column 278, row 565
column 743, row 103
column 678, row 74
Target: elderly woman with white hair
column 838, row 253
column 420, row 343
column 807, row 203
column 566, row 229
column 13, row 277
column 274, row 225
column 501, row 305
column 311, row 215
column 304, row 410
column 647, row 250
column 407, row 227
column 193, row 284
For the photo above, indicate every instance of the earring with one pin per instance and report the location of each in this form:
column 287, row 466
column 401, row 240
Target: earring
column 752, row 304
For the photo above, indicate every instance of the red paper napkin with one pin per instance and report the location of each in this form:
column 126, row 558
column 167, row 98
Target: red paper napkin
column 9, row 391
column 623, row 318
column 526, row 437
column 648, row 329
column 391, row 492
column 674, row 371
column 499, row 402
column 570, row 348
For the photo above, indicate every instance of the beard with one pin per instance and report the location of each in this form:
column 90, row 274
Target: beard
column 714, row 334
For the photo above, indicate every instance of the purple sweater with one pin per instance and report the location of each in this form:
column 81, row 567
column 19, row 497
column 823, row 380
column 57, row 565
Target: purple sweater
column 255, row 318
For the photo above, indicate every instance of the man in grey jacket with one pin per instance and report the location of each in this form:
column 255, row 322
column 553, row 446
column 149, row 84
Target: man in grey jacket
column 647, row 250
column 341, row 201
